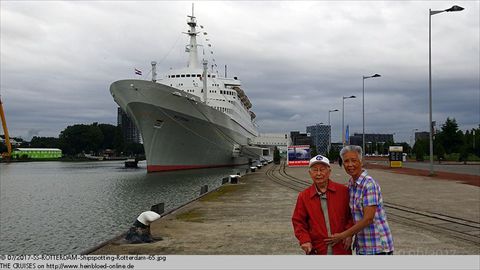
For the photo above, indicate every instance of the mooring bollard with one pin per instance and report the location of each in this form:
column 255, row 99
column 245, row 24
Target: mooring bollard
column 224, row 180
column 140, row 230
column 252, row 169
column 203, row 190
column 234, row 179
column 158, row 208
column 259, row 166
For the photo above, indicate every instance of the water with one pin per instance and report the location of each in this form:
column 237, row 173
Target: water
column 68, row 207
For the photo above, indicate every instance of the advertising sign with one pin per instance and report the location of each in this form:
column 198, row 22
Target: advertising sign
column 395, row 156
column 298, row 155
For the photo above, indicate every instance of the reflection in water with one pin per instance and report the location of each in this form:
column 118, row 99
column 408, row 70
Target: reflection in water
column 62, row 208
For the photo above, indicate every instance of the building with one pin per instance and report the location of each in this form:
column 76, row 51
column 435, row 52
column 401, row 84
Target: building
column 36, row 153
column 320, row 135
column 129, row 129
column 356, row 139
column 297, row 138
column 423, row 135
column 270, row 140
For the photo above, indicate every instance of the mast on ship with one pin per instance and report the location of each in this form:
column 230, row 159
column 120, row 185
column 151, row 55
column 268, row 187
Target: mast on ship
column 192, row 47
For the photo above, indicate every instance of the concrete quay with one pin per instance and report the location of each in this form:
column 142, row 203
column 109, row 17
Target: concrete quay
column 253, row 217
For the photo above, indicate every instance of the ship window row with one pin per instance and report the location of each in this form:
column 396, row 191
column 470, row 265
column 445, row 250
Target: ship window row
column 231, row 93
column 225, row 110
column 212, row 91
column 190, row 76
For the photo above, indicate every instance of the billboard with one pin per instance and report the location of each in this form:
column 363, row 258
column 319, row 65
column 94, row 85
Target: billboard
column 298, row 155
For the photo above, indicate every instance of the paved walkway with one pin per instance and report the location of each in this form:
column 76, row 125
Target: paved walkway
column 253, row 217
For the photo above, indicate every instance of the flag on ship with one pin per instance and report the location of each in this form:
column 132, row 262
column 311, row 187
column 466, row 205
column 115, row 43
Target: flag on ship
column 138, row 72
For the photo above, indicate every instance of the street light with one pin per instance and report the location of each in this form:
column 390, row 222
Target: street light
column 412, row 140
column 330, row 135
column 430, row 13
column 363, row 107
column 343, row 118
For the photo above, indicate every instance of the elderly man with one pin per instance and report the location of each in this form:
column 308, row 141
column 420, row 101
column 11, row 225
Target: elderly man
column 322, row 209
column 373, row 235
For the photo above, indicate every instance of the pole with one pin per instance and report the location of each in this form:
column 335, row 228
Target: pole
column 363, row 115
column 343, row 121
column 330, row 134
column 430, row 87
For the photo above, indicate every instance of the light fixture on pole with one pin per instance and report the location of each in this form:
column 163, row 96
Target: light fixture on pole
column 363, row 108
column 343, row 118
column 330, row 135
column 430, row 13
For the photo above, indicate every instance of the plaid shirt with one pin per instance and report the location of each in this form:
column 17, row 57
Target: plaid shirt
column 376, row 237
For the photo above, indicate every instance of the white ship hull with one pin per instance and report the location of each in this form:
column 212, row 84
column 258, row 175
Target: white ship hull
column 178, row 130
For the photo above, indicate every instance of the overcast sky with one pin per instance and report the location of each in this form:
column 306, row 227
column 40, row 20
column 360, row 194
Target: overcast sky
column 295, row 59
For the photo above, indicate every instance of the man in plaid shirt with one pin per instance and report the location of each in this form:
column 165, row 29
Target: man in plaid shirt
column 373, row 235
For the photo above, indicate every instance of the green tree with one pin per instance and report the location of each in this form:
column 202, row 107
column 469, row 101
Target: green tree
column 45, row 142
column 276, row 155
column 420, row 148
column 450, row 137
column 81, row 138
column 313, row 151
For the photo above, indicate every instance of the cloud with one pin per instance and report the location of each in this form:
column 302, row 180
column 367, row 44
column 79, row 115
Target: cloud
column 295, row 59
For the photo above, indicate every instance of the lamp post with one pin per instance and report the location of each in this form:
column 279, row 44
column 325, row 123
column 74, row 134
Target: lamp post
column 343, row 118
column 330, row 135
column 412, row 140
column 430, row 13
column 363, row 108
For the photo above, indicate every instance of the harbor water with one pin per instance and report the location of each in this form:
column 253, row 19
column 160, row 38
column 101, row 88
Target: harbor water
column 68, row 207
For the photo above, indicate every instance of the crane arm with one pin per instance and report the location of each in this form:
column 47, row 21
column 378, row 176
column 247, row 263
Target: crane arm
column 5, row 131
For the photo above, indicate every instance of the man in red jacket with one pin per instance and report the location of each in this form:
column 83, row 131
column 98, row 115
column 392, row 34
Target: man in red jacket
column 322, row 210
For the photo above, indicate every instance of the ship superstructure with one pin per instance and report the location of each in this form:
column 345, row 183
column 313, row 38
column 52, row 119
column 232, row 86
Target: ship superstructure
column 190, row 117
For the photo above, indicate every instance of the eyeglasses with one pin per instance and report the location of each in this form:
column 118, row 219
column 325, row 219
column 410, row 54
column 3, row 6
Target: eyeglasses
column 319, row 170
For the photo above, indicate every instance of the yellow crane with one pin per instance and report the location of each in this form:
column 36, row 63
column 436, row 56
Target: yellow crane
column 5, row 131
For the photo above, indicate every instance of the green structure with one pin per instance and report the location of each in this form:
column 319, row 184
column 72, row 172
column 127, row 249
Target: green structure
column 36, row 153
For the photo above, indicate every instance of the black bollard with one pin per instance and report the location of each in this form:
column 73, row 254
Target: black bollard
column 140, row 230
column 224, row 180
column 158, row 208
column 234, row 179
column 203, row 190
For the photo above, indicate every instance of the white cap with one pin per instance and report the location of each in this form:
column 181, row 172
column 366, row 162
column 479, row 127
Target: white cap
column 319, row 159
column 148, row 217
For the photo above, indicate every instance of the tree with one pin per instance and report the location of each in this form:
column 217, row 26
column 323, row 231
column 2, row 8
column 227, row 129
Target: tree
column 276, row 155
column 420, row 148
column 450, row 137
column 313, row 151
column 78, row 138
column 45, row 142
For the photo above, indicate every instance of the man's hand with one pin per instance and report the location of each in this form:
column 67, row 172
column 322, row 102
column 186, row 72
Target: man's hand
column 307, row 247
column 347, row 243
column 334, row 239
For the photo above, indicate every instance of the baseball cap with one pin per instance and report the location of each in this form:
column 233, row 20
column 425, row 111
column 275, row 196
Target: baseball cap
column 319, row 159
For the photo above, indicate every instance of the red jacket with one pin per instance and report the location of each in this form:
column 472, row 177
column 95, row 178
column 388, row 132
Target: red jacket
column 309, row 223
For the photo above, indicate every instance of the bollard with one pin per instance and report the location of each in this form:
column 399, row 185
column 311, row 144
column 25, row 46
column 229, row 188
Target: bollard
column 140, row 230
column 234, row 179
column 252, row 169
column 259, row 166
column 203, row 190
column 224, row 180
column 158, row 208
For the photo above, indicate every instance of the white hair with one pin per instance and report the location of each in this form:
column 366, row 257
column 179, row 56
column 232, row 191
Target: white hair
column 351, row 148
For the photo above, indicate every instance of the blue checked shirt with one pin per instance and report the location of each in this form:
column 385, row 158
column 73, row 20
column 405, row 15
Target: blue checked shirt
column 376, row 237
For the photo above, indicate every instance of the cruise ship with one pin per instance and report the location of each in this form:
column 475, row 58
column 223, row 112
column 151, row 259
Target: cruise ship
column 190, row 117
